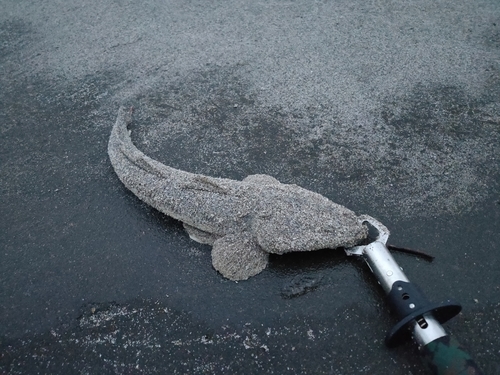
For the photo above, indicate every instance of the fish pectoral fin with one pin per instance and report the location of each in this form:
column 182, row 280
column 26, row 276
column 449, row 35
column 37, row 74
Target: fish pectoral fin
column 199, row 235
column 238, row 257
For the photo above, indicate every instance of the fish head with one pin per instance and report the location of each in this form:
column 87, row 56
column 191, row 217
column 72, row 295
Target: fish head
column 296, row 219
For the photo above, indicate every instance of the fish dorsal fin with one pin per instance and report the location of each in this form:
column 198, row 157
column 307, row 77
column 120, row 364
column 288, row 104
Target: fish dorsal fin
column 238, row 257
column 261, row 179
column 148, row 164
column 206, row 183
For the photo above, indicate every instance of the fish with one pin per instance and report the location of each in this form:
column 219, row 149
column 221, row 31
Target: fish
column 244, row 221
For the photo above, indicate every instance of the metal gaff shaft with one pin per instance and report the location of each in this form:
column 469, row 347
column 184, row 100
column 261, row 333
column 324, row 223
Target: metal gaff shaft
column 388, row 272
column 441, row 352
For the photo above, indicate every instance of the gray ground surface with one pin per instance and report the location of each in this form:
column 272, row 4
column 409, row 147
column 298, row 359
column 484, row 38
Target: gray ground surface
column 388, row 108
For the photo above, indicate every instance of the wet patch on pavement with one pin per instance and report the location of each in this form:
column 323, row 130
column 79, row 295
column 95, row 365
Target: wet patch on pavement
column 396, row 117
column 300, row 284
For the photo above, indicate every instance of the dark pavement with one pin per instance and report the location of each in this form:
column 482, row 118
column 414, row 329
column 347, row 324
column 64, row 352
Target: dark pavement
column 391, row 109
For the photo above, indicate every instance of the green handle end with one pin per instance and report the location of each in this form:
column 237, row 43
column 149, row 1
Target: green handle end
column 445, row 356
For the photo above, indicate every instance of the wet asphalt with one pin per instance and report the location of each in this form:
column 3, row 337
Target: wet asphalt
column 390, row 109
